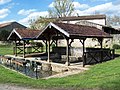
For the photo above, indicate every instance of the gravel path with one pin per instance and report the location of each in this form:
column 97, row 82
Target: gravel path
column 75, row 70
column 64, row 74
column 11, row 87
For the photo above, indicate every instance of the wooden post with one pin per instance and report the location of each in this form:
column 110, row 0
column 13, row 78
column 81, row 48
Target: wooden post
column 101, row 52
column 84, row 60
column 113, row 53
column 101, row 43
column 83, row 53
column 56, row 42
column 15, row 49
column 48, row 50
column 46, row 46
column 23, row 49
column 84, row 57
column 45, row 41
column 25, row 69
column 36, row 71
column 67, row 53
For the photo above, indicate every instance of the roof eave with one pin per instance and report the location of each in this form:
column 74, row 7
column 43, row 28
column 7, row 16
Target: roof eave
column 56, row 27
column 14, row 31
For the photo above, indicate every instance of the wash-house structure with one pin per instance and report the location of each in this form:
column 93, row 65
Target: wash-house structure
column 54, row 32
column 21, row 37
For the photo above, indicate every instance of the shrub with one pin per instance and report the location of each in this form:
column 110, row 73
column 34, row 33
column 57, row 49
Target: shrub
column 116, row 46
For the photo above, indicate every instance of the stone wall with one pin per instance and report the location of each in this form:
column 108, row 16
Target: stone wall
column 91, row 42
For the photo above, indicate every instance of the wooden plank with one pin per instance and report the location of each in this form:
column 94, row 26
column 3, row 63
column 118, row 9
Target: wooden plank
column 48, row 50
column 23, row 49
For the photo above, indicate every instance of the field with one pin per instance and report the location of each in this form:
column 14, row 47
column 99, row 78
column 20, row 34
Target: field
column 100, row 76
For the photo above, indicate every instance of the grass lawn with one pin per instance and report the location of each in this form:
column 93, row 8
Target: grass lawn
column 117, row 51
column 104, row 76
column 6, row 49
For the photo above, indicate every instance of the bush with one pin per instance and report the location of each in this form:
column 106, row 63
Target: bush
column 116, row 46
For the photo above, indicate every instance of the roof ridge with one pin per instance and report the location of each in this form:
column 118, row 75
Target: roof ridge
column 76, row 25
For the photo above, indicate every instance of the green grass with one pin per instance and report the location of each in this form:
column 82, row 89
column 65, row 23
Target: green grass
column 6, row 49
column 104, row 76
column 117, row 51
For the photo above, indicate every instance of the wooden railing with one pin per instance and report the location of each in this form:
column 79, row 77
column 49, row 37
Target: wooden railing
column 98, row 56
column 28, row 49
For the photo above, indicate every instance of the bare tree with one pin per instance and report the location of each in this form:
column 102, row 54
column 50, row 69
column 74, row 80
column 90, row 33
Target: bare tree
column 61, row 8
column 40, row 23
column 113, row 20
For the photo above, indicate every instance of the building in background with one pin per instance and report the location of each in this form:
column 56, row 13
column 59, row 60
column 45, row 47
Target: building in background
column 6, row 28
column 98, row 21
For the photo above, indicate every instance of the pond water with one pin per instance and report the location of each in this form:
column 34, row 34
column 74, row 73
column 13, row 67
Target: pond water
column 33, row 71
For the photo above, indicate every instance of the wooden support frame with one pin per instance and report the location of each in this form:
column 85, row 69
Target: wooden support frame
column 56, row 42
column 36, row 49
column 48, row 43
column 100, row 40
column 23, row 48
column 45, row 41
column 46, row 46
column 72, row 40
column 67, row 53
column 48, row 38
column 83, row 43
column 15, row 48
column 68, row 50
column 52, row 42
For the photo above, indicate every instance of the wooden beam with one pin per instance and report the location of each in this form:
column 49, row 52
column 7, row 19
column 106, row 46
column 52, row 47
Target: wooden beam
column 52, row 42
column 100, row 40
column 48, row 50
column 56, row 42
column 15, row 51
column 45, row 41
column 67, row 53
column 46, row 46
column 84, row 62
column 23, row 48
column 83, row 43
column 72, row 40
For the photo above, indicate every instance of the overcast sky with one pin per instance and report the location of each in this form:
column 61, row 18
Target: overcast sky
column 24, row 10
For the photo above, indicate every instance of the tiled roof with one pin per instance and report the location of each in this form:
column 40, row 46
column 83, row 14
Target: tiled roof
column 28, row 33
column 81, row 30
column 70, row 30
column 24, row 33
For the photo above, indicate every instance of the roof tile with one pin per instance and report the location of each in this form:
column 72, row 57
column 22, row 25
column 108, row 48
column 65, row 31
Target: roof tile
column 81, row 30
